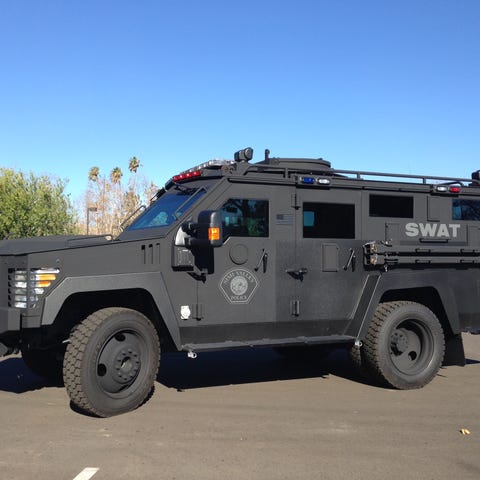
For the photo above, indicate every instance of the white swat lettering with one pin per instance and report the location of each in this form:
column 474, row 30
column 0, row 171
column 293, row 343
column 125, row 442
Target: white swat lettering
column 439, row 230
column 443, row 231
column 427, row 229
column 411, row 230
column 454, row 227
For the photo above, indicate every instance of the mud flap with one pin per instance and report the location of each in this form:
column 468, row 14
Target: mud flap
column 454, row 352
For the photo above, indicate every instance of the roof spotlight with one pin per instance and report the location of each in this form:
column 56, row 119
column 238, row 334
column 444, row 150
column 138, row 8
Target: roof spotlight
column 244, row 155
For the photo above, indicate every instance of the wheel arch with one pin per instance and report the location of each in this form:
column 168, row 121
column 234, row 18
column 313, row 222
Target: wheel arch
column 82, row 296
column 438, row 298
column 427, row 296
column 79, row 306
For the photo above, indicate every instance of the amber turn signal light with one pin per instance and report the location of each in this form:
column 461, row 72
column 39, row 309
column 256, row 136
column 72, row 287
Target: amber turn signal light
column 213, row 233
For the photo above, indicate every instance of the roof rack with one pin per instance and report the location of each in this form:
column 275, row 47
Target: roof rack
column 288, row 166
column 423, row 178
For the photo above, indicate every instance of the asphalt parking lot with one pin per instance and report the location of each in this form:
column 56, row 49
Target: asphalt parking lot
column 248, row 414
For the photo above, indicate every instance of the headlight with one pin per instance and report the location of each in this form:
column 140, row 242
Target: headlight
column 26, row 286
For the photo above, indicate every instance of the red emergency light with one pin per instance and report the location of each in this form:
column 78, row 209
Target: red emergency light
column 187, row 176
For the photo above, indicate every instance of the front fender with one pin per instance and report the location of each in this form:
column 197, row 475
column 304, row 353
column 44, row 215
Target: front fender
column 151, row 282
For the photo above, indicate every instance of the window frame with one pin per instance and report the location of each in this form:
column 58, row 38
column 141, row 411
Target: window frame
column 393, row 214
column 345, row 232
column 463, row 214
column 266, row 219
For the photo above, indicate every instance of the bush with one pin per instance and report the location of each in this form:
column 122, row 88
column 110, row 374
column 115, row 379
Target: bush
column 33, row 206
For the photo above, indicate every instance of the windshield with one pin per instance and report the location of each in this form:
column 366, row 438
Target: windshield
column 168, row 208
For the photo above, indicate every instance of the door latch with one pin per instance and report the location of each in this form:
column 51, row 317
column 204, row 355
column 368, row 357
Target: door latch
column 263, row 260
column 351, row 261
column 297, row 273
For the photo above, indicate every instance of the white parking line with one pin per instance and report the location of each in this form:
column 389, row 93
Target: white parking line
column 86, row 473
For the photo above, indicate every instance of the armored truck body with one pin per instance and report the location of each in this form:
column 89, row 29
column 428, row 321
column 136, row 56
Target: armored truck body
column 284, row 253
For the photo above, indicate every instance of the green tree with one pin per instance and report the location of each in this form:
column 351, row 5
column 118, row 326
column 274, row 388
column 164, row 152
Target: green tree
column 33, row 206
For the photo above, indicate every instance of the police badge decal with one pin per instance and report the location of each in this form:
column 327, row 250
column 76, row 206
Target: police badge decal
column 238, row 285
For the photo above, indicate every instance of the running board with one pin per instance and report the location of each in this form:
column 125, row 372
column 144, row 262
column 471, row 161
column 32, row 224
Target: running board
column 280, row 342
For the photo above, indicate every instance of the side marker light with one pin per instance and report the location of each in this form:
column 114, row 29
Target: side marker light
column 213, row 233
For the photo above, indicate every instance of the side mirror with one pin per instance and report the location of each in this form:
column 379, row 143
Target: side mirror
column 207, row 232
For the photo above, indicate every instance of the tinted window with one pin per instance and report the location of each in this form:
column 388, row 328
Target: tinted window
column 391, row 206
column 245, row 218
column 328, row 220
column 168, row 208
column 463, row 209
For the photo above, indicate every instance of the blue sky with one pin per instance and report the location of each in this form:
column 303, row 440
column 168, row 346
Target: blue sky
column 369, row 85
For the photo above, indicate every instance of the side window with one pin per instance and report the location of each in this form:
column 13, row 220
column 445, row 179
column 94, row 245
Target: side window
column 245, row 218
column 463, row 209
column 394, row 206
column 328, row 220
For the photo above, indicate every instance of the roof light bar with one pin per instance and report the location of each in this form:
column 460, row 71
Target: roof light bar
column 323, row 181
column 447, row 189
column 197, row 171
column 314, row 181
column 187, row 175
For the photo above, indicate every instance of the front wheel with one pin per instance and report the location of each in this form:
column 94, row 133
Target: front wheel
column 404, row 346
column 111, row 362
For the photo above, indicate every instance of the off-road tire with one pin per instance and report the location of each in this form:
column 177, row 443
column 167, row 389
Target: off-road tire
column 404, row 345
column 111, row 362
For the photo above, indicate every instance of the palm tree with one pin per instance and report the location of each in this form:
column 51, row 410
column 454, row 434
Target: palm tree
column 133, row 164
column 116, row 175
column 93, row 174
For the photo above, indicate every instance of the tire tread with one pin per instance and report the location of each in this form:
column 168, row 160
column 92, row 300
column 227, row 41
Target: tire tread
column 74, row 356
column 369, row 357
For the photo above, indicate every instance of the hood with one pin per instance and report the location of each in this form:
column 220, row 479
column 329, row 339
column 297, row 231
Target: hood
column 23, row 246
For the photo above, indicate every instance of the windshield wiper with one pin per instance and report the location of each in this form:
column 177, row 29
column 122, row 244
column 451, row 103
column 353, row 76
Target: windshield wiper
column 157, row 195
column 127, row 220
column 184, row 189
column 189, row 199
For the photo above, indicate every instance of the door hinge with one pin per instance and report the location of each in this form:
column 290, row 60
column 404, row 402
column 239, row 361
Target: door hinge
column 198, row 311
column 295, row 201
column 295, row 308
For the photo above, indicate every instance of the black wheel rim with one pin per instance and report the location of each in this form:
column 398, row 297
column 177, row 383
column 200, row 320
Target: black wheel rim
column 411, row 346
column 121, row 363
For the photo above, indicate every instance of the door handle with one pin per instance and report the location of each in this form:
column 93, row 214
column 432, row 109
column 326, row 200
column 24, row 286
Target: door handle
column 351, row 261
column 263, row 260
column 297, row 273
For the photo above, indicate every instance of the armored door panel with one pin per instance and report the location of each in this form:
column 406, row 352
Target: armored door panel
column 328, row 269
column 237, row 290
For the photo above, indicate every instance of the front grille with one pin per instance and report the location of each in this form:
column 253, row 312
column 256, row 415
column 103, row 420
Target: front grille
column 11, row 298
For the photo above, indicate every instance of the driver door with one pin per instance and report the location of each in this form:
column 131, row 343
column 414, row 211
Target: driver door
column 236, row 293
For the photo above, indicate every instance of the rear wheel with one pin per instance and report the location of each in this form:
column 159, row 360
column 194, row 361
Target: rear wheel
column 404, row 346
column 111, row 362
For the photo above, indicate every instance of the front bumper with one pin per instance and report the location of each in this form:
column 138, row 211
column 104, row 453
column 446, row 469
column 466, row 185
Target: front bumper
column 9, row 320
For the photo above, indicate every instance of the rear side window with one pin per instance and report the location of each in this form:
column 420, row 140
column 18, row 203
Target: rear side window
column 243, row 217
column 463, row 209
column 394, row 206
column 328, row 220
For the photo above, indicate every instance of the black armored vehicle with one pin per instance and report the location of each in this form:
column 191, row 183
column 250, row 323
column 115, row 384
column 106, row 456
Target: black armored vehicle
column 283, row 253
